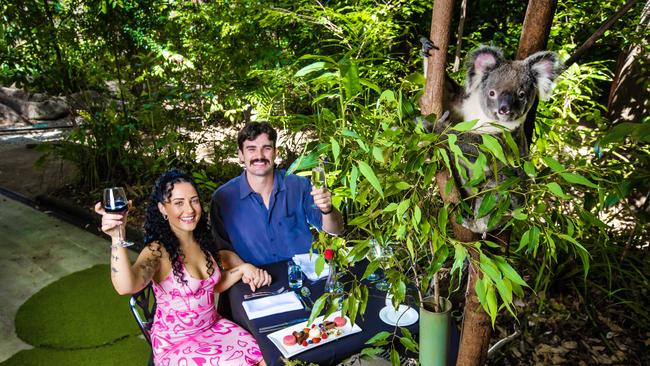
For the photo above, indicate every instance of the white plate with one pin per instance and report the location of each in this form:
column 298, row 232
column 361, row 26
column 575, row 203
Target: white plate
column 405, row 317
column 290, row 351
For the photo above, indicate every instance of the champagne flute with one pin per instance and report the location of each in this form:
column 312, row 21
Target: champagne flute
column 115, row 202
column 318, row 178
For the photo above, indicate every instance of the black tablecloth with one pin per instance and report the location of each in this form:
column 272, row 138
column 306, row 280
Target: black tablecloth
column 328, row 354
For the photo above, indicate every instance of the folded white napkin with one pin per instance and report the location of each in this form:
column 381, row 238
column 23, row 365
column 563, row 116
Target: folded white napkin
column 309, row 265
column 258, row 308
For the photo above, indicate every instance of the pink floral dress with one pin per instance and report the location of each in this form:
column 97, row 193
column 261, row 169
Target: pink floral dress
column 188, row 331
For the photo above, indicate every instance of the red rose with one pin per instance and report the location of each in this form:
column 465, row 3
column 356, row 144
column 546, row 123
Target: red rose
column 329, row 254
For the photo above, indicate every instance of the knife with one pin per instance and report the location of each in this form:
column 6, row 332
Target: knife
column 272, row 328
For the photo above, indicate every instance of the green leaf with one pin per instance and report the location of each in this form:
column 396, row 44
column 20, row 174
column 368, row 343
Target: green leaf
column 378, row 154
column 512, row 145
column 442, row 218
column 553, row 164
column 508, row 271
column 387, row 95
column 367, row 172
column 371, row 351
column 494, row 147
column 519, row 214
column 401, row 209
column 402, row 186
column 491, row 298
column 319, row 265
column 487, row 204
column 465, row 126
column 391, row 207
column 479, row 287
column 319, row 304
column 417, row 215
column 529, row 238
column 336, row 149
column 529, row 169
column 460, row 253
column 354, row 175
column 316, row 66
column 578, row 179
column 557, row 190
column 394, row 357
column 489, row 268
column 381, row 336
column 409, row 344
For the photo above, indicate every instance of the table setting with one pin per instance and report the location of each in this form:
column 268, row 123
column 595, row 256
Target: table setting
column 282, row 308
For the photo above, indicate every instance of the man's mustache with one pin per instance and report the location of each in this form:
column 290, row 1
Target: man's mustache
column 260, row 160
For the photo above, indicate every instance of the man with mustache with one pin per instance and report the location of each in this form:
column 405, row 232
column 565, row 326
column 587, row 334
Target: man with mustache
column 264, row 214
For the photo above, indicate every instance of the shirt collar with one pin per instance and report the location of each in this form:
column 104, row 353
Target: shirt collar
column 278, row 183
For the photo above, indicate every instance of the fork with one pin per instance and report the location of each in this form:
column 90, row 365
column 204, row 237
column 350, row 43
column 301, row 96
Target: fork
column 255, row 295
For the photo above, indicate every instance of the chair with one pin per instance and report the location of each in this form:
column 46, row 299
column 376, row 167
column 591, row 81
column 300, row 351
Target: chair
column 143, row 307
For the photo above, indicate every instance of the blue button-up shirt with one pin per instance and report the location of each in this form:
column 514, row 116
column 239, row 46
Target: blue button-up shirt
column 260, row 235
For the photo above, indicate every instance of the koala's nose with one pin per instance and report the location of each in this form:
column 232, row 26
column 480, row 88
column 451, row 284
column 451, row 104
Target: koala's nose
column 505, row 102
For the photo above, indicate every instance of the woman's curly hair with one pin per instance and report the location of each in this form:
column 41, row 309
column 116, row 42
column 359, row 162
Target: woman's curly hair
column 157, row 229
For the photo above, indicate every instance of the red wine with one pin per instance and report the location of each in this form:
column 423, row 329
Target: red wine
column 118, row 206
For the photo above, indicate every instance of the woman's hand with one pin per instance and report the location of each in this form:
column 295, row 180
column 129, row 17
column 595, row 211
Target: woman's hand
column 254, row 277
column 112, row 223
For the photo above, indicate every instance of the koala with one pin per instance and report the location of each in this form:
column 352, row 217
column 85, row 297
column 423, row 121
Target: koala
column 498, row 93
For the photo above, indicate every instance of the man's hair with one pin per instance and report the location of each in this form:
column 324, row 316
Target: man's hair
column 254, row 129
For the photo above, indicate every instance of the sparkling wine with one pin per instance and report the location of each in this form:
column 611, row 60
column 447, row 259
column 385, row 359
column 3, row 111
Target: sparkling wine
column 318, row 176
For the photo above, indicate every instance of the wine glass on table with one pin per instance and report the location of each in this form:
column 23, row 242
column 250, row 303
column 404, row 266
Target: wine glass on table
column 373, row 254
column 383, row 254
column 115, row 202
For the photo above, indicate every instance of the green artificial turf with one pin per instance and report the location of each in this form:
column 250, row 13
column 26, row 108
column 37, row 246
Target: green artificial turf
column 80, row 310
column 131, row 351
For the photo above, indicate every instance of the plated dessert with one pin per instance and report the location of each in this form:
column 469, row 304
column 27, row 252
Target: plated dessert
column 300, row 337
column 313, row 335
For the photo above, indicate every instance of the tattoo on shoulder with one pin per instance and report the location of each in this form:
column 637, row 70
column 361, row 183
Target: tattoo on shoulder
column 149, row 268
column 115, row 257
column 114, row 270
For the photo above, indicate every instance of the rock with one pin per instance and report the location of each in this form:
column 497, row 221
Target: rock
column 8, row 116
column 17, row 105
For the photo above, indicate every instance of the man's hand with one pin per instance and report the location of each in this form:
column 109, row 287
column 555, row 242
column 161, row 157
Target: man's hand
column 322, row 199
column 254, row 277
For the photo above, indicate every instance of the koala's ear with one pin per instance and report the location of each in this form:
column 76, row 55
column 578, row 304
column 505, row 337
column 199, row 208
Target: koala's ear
column 545, row 67
column 480, row 61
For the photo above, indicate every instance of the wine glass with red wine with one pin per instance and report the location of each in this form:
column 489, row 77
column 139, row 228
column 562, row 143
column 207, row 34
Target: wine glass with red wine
column 115, row 202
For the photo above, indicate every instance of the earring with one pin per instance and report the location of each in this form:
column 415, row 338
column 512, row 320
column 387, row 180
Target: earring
column 164, row 217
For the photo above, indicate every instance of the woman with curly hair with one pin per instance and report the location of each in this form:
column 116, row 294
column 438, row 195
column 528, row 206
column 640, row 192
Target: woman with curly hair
column 179, row 261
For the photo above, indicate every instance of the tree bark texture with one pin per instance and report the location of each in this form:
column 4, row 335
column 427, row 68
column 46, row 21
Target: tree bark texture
column 477, row 328
column 536, row 27
column 629, row 95
column 534, row 37
column 432, row 99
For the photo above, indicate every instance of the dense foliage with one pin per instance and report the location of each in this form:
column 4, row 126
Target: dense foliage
column 342, row 78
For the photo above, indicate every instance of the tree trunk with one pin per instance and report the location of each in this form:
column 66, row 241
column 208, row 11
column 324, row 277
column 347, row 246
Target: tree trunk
column 534, row 37
column 432, row 99
column 629, row 96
